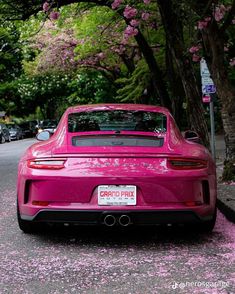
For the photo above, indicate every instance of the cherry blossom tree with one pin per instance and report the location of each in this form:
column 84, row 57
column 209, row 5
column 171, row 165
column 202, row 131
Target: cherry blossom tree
column 215, row 34
column 212, row 38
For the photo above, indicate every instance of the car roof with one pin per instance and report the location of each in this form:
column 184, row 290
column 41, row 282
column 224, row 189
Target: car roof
column 117, row 106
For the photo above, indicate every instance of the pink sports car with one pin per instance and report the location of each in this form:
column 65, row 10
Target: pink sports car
column 116, row 165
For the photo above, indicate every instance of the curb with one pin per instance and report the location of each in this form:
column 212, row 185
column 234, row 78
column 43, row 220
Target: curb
column 226, row 210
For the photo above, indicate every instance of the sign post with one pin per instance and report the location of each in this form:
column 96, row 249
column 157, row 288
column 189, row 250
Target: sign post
column 208, row 91
column 212, row 120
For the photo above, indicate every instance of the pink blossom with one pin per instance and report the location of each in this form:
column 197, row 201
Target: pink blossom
column 147, row 1
column 130, row 31
column 232, row 62
column 207, row 19
column 101, row 55
column 73, row 43
column 145, row 16
column 202, row 24
column 124, row 40
column 134, row 23
column 219, row 13
column 122, row 49
column 116, row 4
column 45, row 6
column 154, row 25
column 194, row 49
column 196, row 58
column 54, row 15
column 233, row 21
column 81, row 42
column 222, row 8
column 226, row 49
column 129, row 12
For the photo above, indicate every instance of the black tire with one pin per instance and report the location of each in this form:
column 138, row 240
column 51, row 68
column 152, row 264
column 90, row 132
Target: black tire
column 207, row 226
column 3, row 140
column 27, row 227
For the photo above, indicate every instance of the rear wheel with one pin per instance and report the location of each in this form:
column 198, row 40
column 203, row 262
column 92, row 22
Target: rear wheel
column 207, row 226
column 27, row 227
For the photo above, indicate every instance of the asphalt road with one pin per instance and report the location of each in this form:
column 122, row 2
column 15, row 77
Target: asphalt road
column 72, row 260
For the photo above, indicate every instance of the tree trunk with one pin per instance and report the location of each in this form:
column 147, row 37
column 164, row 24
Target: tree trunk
column 229, row 127
column 213, row 42
column 176, row 86
column 129, row 62
column 174, row 33
column 159, row 84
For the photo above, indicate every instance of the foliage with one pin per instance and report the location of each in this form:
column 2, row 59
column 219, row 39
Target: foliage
column 134, row 86
column 102, row 38
column 90, row 87
column 48, row 92
column 53, row 93
column 10, row 64
column 10, row 51
column 229, row 171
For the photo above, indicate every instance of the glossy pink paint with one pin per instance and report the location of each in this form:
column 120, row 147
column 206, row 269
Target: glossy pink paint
column 74, row 187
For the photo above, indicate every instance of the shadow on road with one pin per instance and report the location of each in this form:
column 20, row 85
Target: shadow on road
column 122, row 237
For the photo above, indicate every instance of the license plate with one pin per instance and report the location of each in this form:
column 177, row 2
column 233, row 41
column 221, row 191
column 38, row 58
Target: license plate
column 117, row 195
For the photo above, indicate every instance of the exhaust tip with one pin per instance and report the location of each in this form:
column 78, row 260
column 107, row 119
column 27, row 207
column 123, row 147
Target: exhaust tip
column 124, row 220
column 109, row 220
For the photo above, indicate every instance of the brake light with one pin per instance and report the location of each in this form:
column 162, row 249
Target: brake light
column 193, row 203
column 187, row 163
column 57, row 163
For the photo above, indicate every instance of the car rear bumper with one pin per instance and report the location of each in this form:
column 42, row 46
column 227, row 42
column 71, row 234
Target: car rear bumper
column 138, row 217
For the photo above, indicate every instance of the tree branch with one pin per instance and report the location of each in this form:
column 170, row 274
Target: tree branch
column 228, row 19
column 22, row 11
column 207, row 7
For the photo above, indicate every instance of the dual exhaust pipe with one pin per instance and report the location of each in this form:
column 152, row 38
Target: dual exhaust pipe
column 110, row 220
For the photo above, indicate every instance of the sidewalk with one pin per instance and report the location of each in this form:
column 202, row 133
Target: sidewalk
column 226, row 192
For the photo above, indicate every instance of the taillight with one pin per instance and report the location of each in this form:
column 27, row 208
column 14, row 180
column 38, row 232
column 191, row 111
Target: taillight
column 40, row 203
column 56, row 163
column 193, row 203
column 187, row 163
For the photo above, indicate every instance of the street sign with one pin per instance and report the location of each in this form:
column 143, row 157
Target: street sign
column 208, row 86
column 206, row 98
column 204, row 68
column 208, row 89
column 206, row 80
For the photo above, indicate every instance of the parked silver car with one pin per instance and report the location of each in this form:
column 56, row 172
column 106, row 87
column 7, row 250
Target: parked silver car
column 4, row 133
column 16, row 133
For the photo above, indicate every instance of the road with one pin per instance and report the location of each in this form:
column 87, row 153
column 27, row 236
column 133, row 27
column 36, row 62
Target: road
column 72, row 260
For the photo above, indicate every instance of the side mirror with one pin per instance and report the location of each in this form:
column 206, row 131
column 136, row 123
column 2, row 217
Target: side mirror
column 43, row 136
column 192, row 137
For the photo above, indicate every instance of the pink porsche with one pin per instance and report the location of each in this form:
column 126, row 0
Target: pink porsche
column 116, row 165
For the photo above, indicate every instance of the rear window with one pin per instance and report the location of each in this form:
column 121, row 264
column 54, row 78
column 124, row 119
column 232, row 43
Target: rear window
column 117, row 120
